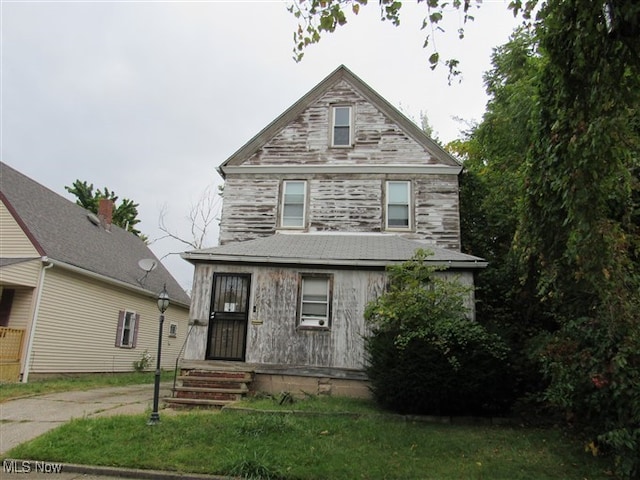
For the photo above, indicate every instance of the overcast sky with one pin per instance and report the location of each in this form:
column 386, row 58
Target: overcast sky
column 148, row 98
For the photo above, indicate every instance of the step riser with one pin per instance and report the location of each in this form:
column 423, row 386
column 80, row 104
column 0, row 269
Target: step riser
column 217, row 385
column 233, row 397
column 222, row 376
column 209, row 388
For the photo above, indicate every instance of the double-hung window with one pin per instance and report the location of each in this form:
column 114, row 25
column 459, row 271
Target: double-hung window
column 127, row 331
column 341, row 122
column 315, row 301
column 293, row 203
column 398, row 205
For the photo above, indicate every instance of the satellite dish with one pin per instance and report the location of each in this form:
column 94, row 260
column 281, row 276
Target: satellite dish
column 147, row 264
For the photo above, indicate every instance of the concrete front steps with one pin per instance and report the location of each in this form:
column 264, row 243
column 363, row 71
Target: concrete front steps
column 210, row 385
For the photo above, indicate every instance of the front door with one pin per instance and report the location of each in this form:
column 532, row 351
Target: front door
column 228, row 317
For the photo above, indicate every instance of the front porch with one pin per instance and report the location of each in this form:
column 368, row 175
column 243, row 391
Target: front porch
column 213, row 383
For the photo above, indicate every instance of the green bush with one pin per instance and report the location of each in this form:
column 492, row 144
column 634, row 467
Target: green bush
column 425, row 355
column 593, row 364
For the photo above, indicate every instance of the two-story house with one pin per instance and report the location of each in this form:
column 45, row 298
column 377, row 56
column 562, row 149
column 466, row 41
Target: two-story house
column 315, row 207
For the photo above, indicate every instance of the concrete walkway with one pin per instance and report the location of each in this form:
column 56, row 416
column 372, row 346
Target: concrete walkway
column 27, row 418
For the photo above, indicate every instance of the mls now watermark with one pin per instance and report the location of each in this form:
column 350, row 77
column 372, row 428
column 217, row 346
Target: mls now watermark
column 29, row 466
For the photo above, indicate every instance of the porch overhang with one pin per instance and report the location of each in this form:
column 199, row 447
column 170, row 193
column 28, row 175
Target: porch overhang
column 332, row 250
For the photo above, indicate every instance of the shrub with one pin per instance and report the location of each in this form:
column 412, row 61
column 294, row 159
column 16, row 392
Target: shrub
column 425, row 355
column 593, row 364
column 144, row 362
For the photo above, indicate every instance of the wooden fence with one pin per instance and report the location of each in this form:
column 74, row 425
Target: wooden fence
column 11, row 340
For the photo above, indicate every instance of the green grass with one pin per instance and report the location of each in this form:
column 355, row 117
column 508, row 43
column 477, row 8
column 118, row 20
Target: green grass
column 310, row 403
column 290, row 446
column 9, row 391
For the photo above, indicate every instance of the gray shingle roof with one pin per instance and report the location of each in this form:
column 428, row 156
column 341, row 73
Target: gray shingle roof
column 62, row 231
column 332, row 249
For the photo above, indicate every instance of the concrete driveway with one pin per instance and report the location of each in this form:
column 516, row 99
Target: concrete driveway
column 26, row 418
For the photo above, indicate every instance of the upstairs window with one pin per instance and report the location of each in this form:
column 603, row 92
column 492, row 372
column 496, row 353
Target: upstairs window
column 398, row 202
column 341, row 126
column 293, row 203
column 127, row 332
column 315, row 301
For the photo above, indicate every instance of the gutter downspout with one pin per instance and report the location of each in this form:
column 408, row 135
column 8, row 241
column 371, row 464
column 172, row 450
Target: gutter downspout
column 34, row 322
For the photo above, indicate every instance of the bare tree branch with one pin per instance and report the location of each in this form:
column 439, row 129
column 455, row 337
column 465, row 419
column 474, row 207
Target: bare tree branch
column 201, row 218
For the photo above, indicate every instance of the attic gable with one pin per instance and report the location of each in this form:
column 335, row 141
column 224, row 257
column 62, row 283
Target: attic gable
column 302, row 134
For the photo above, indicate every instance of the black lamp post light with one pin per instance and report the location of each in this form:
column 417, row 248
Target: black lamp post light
column 163, row 304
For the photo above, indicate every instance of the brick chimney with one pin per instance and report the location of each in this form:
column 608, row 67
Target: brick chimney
column 105, row 212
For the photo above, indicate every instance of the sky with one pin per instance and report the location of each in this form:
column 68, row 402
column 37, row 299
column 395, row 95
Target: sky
column 147, row 98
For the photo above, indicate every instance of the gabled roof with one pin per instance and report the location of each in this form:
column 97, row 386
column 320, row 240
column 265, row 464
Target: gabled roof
column 342, row 73
column 346, row 250
column 62, row 231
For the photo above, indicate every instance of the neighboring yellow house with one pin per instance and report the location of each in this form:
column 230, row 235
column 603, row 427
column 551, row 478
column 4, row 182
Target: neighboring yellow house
column 74, row 296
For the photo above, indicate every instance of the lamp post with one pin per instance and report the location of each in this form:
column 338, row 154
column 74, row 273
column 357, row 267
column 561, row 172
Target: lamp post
column 163, row 304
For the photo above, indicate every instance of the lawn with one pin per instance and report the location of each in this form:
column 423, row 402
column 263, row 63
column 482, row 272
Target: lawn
column 80, row 382
column 284, row 445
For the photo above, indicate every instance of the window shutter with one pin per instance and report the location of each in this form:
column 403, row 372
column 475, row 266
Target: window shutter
column 119, row 329
column 135, row 330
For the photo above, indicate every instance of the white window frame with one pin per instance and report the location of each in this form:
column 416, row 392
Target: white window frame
column 284, row 204
column 309, row 320
column 388, row 204
column 128, row 321
column 173, row 330
column 334, row 125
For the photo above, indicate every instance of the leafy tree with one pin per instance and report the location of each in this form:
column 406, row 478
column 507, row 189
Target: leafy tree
column 494, row 154
column 579, row 232
column 577, row 237
column 125, row 214
column 318, row 16
column 426, row 356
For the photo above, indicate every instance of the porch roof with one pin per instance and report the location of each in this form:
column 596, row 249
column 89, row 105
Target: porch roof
column 372, row 250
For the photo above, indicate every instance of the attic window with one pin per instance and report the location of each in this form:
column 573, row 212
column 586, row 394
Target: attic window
column 341, row 121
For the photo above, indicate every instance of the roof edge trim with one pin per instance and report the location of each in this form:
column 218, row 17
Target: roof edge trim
column 342, row 169
column 199, row 257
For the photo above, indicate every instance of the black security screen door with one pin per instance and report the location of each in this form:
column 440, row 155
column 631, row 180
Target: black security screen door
column 228, row 317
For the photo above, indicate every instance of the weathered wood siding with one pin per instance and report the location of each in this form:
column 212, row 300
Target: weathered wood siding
column 353, row 203
column 346, row 202
column 77, row 324
column 273, row 335
column 376, row 140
